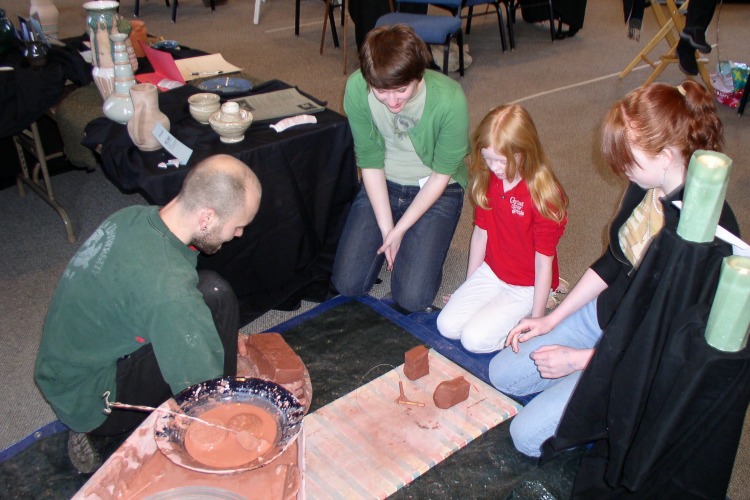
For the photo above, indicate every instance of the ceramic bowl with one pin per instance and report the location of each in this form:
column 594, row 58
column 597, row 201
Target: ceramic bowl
column 203, row 105
column 166, row 45
column 170, row 430
column 230, row 122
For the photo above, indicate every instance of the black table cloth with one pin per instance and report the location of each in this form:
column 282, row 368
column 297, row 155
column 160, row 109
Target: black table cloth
column 663, row 409
column 28, row 92
column 308, row 175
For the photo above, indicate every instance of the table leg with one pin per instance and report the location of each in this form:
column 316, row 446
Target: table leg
column 31, row 140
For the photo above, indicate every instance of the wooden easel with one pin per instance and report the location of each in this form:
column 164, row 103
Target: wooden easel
column 671, row 21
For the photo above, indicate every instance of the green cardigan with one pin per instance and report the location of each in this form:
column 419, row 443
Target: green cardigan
column 441, row 138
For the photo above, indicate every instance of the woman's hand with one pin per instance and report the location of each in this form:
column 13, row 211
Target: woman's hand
column 527, row 329
column 555, row 361
column 391, row 244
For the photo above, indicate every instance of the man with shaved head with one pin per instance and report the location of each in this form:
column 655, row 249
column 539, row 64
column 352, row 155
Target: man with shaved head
column 131, row 316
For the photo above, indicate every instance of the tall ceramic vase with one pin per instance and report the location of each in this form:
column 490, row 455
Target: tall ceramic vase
column 48, row 15
column 101, row 21
column 146, row 115
column 125, row 27
column 118, row 106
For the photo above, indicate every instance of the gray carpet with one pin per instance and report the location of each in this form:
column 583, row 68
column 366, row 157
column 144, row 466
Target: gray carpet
column 567, row 86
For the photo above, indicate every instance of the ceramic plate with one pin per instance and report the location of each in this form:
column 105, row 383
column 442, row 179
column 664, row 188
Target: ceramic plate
column 226, row 85
column 170, row 430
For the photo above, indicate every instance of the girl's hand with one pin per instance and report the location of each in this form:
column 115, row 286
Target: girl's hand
column 555, row 361
column 527, row 329
column 446, row 298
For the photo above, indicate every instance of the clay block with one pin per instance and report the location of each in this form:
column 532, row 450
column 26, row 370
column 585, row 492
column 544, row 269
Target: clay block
column 451, row 392
column 275, row 360
column 416, row 362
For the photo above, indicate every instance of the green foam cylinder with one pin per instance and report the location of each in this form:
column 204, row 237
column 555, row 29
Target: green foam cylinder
column 705, row 189
column 729, row 319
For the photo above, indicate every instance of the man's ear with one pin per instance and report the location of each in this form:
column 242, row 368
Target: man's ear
column 206, row 218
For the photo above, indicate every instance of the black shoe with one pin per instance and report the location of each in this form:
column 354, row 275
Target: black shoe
column 686, row 58
column 696, row 38
column 83, row 453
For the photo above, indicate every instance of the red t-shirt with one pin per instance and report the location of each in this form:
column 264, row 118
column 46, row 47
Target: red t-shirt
column 516, row 230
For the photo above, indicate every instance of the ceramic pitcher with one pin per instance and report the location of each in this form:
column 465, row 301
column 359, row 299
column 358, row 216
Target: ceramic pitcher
column 146, row 115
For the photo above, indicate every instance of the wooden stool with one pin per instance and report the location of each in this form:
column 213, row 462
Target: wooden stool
column 671, row 21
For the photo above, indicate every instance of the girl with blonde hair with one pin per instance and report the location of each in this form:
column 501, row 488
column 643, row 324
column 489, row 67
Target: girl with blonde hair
column 519, row 216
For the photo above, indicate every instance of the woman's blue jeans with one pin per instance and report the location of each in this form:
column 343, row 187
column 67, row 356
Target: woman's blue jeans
column 418, row 267
column 516, row 374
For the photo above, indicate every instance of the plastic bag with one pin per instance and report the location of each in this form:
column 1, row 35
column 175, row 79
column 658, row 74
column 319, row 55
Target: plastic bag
column 729, row 81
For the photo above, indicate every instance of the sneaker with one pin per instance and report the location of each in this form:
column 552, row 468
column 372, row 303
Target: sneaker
column 697, row 39
column 83, row 453
column 686, row 58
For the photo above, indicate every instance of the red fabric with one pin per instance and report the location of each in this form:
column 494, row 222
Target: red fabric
column 516, row 230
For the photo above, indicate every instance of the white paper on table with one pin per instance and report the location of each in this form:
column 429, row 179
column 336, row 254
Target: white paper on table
column 739, row 247
column 171, row 144
column 202, row 66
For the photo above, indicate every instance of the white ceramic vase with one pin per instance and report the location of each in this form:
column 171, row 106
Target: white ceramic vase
column 48, row 15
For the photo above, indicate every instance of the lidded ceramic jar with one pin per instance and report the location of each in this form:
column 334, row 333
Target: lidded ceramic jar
column 231, row 122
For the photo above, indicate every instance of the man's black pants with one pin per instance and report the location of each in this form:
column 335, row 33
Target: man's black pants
column 139, row 379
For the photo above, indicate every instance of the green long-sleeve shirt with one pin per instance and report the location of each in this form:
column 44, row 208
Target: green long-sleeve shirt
column 440, row 139
column 132, row 282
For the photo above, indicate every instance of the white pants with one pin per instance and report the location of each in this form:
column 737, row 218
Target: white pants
column 483, row 310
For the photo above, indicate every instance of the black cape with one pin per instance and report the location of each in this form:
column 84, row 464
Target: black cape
column 663, row 409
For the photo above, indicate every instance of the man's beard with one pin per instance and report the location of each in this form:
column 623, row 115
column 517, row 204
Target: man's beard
column 207, row 243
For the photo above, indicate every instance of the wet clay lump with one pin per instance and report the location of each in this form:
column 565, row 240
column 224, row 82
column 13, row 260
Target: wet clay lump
column 253, row 432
